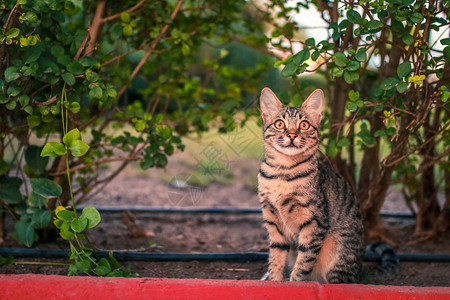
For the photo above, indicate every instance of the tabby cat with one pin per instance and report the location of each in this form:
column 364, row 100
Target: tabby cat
column 313, row 219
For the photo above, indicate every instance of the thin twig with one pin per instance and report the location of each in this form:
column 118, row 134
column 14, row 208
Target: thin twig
column 116, row 16
column 83, row 44
column 48, row 102
column 99, row 162
column 6, row 26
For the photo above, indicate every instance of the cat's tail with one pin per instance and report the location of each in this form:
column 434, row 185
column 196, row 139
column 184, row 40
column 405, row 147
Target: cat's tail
column 388, row 267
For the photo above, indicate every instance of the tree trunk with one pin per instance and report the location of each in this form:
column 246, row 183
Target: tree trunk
column 427, row 201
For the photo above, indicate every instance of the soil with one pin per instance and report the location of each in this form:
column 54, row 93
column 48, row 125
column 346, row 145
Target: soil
column 211, row 233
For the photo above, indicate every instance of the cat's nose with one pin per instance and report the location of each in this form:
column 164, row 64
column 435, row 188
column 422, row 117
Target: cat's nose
column 292, row 136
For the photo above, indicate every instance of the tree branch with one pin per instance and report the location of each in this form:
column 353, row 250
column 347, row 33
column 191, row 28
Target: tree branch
column 151, row 49
column 96, row 26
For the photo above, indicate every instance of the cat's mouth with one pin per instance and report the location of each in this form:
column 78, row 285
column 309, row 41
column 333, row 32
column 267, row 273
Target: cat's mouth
column 290, row 145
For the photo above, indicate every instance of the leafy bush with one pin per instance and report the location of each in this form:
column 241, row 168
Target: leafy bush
column 129, row 77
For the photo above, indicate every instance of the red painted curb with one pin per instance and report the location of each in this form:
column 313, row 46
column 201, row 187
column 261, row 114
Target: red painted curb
column 50, row 287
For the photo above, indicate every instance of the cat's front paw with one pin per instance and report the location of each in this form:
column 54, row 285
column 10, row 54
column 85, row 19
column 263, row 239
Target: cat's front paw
column 275, row 277
column 296, row 277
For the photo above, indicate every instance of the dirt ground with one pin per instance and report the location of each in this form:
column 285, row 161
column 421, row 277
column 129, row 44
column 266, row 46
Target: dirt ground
column 212, row 233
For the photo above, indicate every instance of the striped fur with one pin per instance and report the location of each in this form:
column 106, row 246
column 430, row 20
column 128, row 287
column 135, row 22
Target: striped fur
column 310, row 212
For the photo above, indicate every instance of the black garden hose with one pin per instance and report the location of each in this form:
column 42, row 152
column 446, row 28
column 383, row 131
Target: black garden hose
column 208, row 210
column 204, row 257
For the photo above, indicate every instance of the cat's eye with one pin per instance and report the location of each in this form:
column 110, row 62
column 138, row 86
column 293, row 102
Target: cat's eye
column 279, row 124
column 304, row 125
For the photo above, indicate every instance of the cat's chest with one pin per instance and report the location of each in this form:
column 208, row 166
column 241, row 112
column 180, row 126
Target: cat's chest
column 281, row 186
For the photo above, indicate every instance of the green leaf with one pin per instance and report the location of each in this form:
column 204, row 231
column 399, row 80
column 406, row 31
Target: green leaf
column 36, row 200
column 12, row 73
column 445, row 96
column 340, row 59
column 12, row 33
column 402, row 87
column 445, row 41
column 88, row 61
column 315, row 55
column 147, row 162
column 58, row 223
column 374, row 24
column 65, row 232
column 34, row 160
column 71, row 136
column 112, row 93
column 351, row 106
column 391, row 131
column 10, row 193
column 160, row 160
column 3, row 98
column 301, row 57
column 11, row 105
column 397, row 27
column 389, row 83
column 14, row 90
column 369, row 141
column 354, row 16
column 74, row 107
column 380, row 132
column 24, row 100
column 310, row 42
column 343, row 142
column 53, row 149
column 407, row 39
column 165, row 131
column 350, row 77
column 140, row 125
column 116, row 31
column 103, row 267
column 92, row 215
column 4, row 167
column 75, row 67
column 382, row 14
column 79, row 224
column 33, row 121
column 96, row 93
column 404, row 69
column 446, row 52
column 361, row 54
column 185, row 49
column 41, row 218
column 353, row 65
column 32, row 54
column 127, row 30
column 65, row 215
column 353, row 96
column 78, row 148
column 24, row 232
column 45, row 187
column 289, row 69
column 416, row 17
column 125, row 17
column 68, row 78
column 112, row 261
column 359, row 103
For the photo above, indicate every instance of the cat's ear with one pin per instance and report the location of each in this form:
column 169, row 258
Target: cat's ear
column 270, row 105
column 313, row 106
